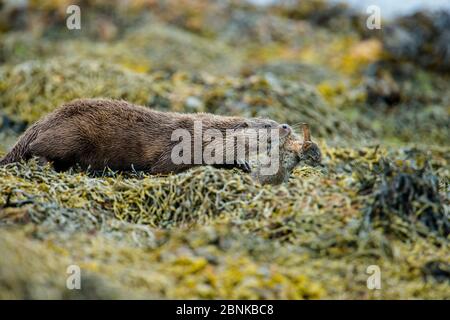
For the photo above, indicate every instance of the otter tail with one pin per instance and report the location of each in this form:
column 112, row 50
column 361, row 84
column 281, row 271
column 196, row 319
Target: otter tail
column 21, row 150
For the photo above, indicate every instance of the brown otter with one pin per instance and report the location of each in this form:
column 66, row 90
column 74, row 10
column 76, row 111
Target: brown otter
column 292, row 153
column 97, row 134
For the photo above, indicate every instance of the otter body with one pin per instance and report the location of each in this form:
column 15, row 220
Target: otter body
column 98, row 134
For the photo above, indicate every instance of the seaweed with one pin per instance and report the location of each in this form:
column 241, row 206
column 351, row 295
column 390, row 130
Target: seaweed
column 31, row 89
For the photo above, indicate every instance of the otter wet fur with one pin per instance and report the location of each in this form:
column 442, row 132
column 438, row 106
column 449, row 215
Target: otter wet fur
column 96, row 134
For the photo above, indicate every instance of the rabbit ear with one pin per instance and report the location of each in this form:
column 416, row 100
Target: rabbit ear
column 294, row 146
column 306, row 133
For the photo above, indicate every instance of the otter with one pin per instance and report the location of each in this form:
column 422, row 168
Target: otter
column 293, row 152
column 95, row 134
